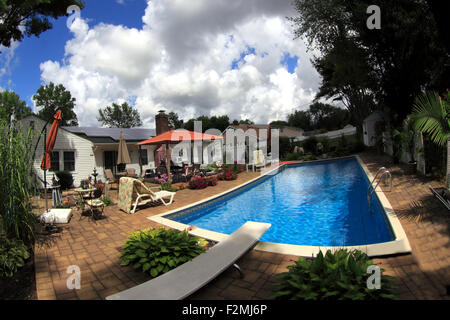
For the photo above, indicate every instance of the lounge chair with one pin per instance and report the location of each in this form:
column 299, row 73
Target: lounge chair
column 440, row 197
column 110, row 177
column 131, row 172
column 187, row 278
column 133, row 193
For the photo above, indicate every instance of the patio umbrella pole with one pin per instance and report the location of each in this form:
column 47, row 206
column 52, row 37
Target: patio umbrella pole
column 168, row 163
column 45, row 175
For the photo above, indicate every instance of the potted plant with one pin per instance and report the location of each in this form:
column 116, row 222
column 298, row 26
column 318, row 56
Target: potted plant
column 404, row 140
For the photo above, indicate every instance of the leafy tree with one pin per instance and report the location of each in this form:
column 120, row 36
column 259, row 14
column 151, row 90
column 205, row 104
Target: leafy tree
column 389, row 66
column 215, row 122
column 174, row 121
column 10, row 103
column 220, row 122
column 300, row 119
column 120, row 116
column 50, row 98
column 347, row 80
column 31, row 17
column 246, row 121
column 279, row 123
column 326, row 116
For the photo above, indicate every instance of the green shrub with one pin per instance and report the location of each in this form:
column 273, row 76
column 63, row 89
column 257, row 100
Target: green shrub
column 310, row 144
column 285, row 146
column 293, row 156
column 65, row 179
column 107, row 201
column 341, row 275
column 13, row 253
column 156, row 251
column 309, row 157
column 325, row 141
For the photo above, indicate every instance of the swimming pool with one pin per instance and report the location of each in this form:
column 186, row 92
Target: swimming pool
column 315, row 204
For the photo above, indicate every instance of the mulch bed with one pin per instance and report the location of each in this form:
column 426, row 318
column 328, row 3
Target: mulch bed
column 22, row 286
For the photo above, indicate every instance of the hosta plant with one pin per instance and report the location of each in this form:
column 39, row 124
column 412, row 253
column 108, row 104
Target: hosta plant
column 342, row 275
column 13, row 253
column 156, row 251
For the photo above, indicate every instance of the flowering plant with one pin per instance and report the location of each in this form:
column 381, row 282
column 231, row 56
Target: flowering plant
column 198, row 182
column 227, row 174
column 181, row 187
column 212, row 181
column 164, row 181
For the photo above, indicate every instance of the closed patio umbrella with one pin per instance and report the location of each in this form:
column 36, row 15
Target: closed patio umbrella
column 123, row 155
column 49, row 144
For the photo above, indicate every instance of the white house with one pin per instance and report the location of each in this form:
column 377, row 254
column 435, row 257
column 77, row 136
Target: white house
column 80, row 149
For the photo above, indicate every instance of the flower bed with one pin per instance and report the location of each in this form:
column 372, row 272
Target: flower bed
column 199, row 182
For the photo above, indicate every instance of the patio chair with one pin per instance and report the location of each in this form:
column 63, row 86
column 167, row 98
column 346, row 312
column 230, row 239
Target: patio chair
column 110, row 177
column 131, row 172
column 187, row 174
column 95, row 205
column 187, row 278
column 134, row 193
column 196, row 170
column 258, row 159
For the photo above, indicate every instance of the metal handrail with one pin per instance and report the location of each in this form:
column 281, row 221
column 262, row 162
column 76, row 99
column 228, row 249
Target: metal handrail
column 369, row 195
column 373, row 180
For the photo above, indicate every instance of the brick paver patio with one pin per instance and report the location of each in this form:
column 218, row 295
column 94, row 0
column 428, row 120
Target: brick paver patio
column 95, row 248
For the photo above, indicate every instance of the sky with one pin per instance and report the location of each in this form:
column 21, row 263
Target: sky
column 199, row 57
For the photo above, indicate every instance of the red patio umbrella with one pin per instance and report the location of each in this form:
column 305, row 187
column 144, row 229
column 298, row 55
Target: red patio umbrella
column 49, row 144
column 176, row 136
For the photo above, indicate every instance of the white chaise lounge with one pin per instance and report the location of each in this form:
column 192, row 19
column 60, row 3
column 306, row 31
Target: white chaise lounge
column 184, row 280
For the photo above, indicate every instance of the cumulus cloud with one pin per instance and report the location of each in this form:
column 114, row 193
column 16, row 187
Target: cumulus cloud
column 195, row 57
column 7, row 56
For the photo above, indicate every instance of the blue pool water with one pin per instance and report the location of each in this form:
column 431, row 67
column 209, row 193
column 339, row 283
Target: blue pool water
column 318, row 204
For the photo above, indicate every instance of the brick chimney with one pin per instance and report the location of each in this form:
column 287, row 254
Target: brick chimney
column 162, row 122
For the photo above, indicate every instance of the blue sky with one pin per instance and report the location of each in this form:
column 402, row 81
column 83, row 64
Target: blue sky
column 24, row 72
column 195, row 58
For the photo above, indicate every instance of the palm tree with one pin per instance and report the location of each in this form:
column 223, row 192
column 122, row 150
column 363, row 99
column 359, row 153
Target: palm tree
column 431, row 115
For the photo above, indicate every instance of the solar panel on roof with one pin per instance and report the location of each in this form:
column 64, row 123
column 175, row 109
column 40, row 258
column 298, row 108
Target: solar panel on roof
column 114, row 133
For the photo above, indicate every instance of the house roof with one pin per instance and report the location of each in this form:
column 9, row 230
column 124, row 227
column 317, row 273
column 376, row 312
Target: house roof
column 112, row 135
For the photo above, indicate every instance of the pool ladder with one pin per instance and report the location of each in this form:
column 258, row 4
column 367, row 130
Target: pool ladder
column 371, row 189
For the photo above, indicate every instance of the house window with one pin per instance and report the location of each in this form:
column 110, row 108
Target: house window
column 54, row 160
column 69, row 160
column 144, row 156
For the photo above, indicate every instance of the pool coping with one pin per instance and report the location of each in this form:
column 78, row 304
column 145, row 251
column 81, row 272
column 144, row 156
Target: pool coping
column 399, row 245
